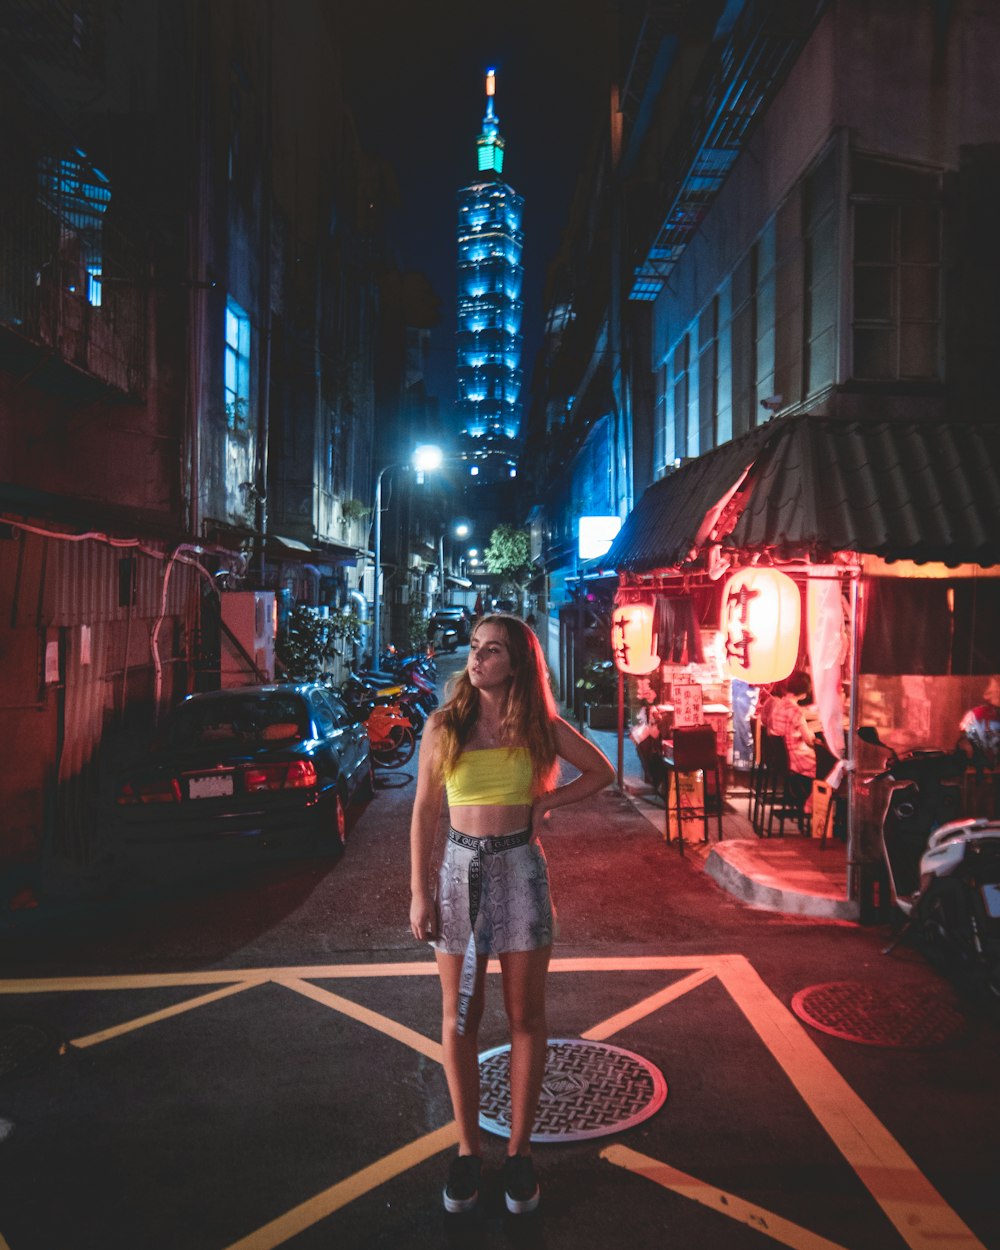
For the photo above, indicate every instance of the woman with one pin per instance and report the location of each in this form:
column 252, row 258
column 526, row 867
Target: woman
column 494, row 747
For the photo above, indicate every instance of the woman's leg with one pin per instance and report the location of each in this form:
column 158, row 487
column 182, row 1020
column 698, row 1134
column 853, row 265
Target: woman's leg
column 461, row 1050
column 524, row 974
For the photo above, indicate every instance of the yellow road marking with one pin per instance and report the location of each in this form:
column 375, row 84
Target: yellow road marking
column 614, row 1024
column 921, row 1216
column 154, row 1017
column 155, row 980
column 315, row 1209
column 409, row 1037
column 773, row 1226
column 909, row 1200
column 338, row 972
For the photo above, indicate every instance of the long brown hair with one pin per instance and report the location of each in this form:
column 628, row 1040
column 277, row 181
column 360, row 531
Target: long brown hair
column 528, row 715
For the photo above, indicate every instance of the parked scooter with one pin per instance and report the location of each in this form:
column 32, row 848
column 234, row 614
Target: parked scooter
column 366, row 687
column 393, row 661
column 444, row 638
column 944, row 870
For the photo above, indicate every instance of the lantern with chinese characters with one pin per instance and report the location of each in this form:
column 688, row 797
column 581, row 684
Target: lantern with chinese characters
column 761, row 618
column 632, row 638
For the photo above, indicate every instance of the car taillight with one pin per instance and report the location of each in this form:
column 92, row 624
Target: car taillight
column 166, row 791
column 298, row 775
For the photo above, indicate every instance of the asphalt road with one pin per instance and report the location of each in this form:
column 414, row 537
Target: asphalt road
column 251, row 1060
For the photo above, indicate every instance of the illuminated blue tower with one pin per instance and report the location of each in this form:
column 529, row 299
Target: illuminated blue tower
column 490, row 276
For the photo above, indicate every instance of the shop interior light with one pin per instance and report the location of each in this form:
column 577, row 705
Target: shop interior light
column 761, row 622
column 632, row 641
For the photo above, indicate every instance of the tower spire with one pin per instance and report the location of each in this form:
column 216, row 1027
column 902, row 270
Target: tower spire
column 489, row 145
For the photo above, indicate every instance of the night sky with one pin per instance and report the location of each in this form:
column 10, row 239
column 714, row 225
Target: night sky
column 417, row 82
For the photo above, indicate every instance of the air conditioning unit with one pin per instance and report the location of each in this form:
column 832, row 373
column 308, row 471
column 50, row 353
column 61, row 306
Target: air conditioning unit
column 249, row 629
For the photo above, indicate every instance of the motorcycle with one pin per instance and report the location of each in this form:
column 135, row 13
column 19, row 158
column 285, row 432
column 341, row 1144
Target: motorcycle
column 394, row 661
column 367, row 687
column 943, row 868
column 444, row 638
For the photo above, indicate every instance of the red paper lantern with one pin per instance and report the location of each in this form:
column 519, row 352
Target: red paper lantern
column 761, row 619
column 632, row 638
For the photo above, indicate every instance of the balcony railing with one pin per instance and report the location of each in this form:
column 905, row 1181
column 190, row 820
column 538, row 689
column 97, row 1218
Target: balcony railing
column 79, row 293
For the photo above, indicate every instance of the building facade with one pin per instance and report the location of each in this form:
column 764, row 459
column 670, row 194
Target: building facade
column 789, row 212
column 190, row 238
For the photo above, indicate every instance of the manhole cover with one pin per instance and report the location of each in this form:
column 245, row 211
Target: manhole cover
column 907, row 1019
column 590, row 1090
column 19, row 1043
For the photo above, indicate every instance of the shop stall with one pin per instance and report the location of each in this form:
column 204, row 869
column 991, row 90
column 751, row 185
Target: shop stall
column 798, row 547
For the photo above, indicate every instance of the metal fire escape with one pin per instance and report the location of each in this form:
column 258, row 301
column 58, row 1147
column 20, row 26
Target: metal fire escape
column 733, row 92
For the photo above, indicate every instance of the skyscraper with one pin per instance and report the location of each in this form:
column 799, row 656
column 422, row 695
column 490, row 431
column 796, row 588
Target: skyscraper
column 490, row 308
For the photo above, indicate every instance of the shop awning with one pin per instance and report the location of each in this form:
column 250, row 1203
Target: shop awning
column 807, row 486
column 292, row 544
column 320, row 550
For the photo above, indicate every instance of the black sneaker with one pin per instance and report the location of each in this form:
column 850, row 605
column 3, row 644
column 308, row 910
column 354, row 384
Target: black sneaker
column 521, row 1190
column 462, row 1190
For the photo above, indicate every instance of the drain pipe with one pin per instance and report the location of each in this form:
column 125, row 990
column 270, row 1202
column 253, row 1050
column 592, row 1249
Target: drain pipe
column 855, row 867
column 361, row 608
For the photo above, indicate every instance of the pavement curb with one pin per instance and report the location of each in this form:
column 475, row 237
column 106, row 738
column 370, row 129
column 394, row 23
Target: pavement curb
column 730, row 862
column 774, row 897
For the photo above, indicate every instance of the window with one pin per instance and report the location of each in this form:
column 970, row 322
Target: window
column 237, row 368
column 682, row 356
column 341, row 717
column 323, row 713
column 820, row 272
column 897, row 272
column 744, row 343
column 78, row 194
column 708, row 377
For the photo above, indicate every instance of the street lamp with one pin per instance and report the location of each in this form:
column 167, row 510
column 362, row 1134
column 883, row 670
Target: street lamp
column 426, row 458
column 459, row 529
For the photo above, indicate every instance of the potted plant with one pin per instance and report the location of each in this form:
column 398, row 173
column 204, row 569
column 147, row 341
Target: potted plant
column 598, row 686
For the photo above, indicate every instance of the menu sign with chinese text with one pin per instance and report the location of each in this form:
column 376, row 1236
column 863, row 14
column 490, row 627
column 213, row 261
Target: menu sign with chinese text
column 687, row 700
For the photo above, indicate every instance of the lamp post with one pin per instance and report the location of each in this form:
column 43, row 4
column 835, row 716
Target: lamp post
column 459, row 529
column 425, row 458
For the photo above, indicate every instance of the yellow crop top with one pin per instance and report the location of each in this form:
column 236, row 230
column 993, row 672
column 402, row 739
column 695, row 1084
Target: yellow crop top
column 493, row 775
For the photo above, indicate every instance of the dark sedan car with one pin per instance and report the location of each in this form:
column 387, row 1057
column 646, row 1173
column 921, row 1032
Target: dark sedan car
column 455, row 617
column 272, row 766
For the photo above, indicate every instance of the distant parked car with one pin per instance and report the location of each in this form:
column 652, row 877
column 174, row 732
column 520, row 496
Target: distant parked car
column 453, row 616
column 273, row 765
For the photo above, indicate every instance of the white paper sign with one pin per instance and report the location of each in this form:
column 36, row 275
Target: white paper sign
column 52, row 662
column 687, row 705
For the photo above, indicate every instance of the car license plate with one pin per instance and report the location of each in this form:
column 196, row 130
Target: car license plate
column 991, row 897
column 217, row 786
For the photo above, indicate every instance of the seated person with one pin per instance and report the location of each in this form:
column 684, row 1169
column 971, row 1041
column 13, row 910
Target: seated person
column 649, row 748
column 979, row 737
column 783, row 716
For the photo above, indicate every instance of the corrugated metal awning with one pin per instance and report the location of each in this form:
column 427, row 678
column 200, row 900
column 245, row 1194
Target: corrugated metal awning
column 808, row 486
column 292, row 544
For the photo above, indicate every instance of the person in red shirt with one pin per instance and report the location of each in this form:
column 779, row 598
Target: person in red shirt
column 979, row 736
column 784, row 716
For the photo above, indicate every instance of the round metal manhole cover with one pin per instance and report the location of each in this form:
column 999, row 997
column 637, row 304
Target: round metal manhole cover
column 20, row 1042
column 905, row 1019
column 590, row 1090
